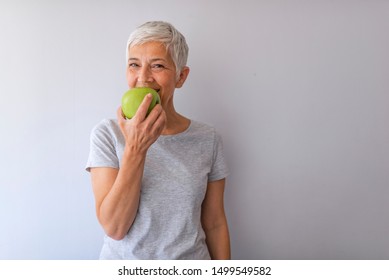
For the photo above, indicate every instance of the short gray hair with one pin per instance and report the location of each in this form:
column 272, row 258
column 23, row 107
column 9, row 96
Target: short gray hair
column 165, row 33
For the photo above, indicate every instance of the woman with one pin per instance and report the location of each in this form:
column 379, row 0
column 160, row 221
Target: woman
column 158, row 179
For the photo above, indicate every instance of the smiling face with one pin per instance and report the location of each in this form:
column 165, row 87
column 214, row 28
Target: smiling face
column 150, row 65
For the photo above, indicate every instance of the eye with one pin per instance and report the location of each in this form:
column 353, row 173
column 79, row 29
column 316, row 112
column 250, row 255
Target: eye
column 133, row 64
column 158, row 66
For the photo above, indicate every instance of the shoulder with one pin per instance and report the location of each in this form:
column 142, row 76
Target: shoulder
column 107, row 129
column 109, row 126
column 197, row 127
column 205, row 131
column 104, row 143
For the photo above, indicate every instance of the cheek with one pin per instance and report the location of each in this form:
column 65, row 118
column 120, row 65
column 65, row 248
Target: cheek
column 130, row 79
column 168, row 81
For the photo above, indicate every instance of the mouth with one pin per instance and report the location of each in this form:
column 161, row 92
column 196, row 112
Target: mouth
column 158, row 90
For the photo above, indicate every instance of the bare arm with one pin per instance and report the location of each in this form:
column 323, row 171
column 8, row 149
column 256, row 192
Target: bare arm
column 117, row 195
column 214, row 221
column 117, row 191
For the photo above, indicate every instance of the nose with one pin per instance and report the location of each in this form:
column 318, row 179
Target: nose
column 145, row 76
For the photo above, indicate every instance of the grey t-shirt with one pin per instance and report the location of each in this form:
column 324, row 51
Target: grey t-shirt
column 177, row 170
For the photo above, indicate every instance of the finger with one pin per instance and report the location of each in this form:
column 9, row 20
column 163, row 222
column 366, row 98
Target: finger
column 141, row 113
column 119, row 114
column 160, row 122
column 154, row 114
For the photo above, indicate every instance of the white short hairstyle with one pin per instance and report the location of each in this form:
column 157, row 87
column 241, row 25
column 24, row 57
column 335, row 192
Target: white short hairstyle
column 165, row 33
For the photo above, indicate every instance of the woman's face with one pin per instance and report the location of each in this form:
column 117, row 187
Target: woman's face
column 150, row 65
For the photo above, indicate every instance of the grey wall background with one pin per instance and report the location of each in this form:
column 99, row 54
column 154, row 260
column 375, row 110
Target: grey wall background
column 298, row 89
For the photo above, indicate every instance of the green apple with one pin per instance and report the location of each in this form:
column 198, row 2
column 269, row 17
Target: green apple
column 134, row 97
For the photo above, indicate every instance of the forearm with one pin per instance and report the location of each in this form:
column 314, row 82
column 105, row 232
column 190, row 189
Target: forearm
column 119, row 207
column 218, row 242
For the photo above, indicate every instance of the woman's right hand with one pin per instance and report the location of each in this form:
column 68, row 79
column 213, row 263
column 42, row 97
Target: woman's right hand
column 142, row 131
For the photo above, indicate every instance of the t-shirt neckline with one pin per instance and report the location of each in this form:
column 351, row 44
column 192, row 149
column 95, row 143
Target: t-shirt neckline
column 171, row 136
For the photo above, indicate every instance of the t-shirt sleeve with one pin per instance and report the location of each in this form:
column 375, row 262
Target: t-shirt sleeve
column 219, row 169
column 102, row 152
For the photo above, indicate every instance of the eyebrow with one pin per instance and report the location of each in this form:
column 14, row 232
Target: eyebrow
column 151, row 60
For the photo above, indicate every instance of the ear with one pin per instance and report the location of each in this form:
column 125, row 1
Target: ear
column 182, row 78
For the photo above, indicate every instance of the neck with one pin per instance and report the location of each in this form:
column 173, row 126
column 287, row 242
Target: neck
column 175, row 123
